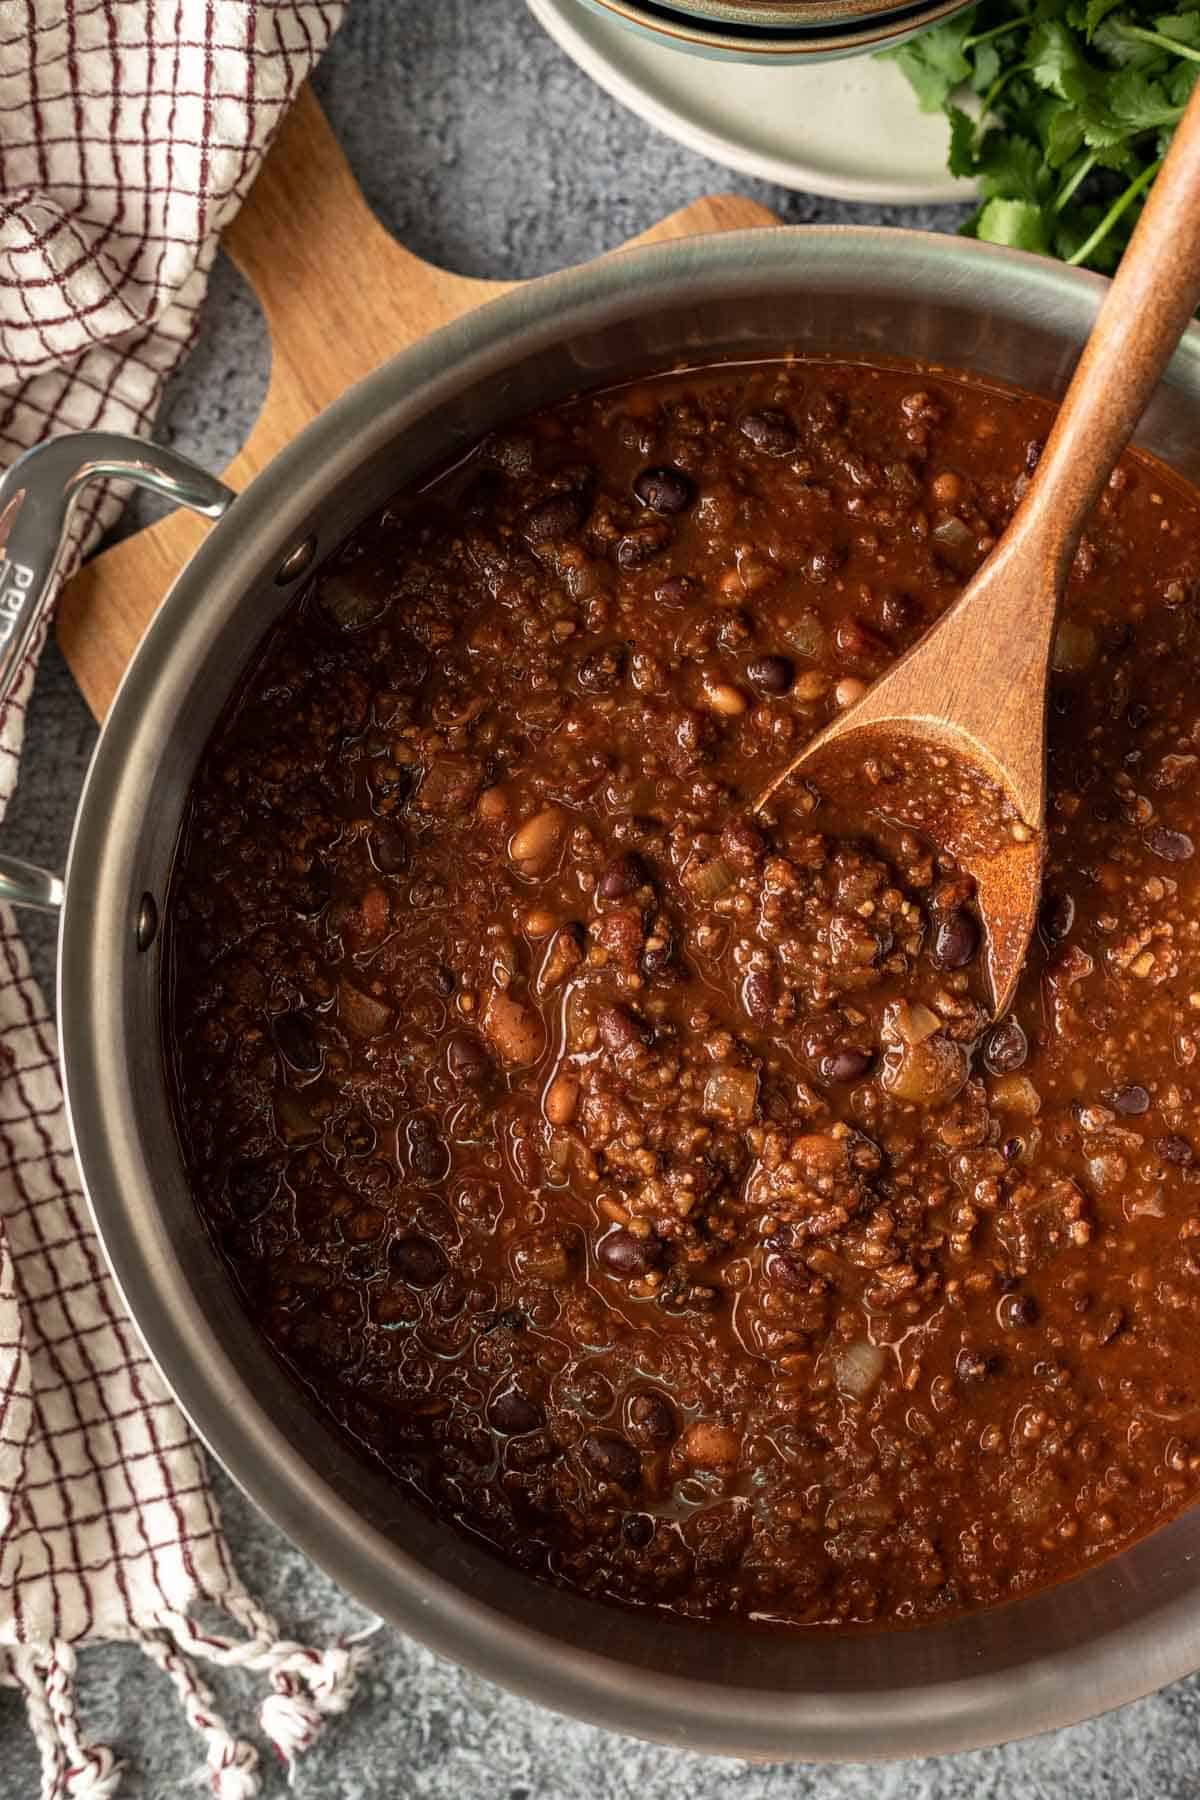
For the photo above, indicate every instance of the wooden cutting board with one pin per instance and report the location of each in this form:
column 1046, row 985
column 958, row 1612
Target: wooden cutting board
column 340, row 296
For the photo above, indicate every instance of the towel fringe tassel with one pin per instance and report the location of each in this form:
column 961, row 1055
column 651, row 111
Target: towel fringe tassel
column 307, row 1687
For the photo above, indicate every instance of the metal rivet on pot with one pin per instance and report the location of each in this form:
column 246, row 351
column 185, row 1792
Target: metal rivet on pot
column 296, row 562
column 147, row 922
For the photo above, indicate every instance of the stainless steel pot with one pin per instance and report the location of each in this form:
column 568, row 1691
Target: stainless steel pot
column 1112, row 1635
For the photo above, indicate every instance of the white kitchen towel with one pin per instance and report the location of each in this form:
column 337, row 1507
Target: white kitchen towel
column 130, row 131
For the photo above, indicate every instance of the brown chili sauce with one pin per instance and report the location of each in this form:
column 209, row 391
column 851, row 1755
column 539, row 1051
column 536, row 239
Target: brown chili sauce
column 643, row 1182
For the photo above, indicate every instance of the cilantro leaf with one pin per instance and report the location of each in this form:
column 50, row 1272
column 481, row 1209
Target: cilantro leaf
column 1181, row 27
column 1139, row 103
column 1016, row 222
column 1011, row 167
column 1057, row 63
column 961, row 160
column 1063, row 137
column 1079, row 99
column 1097, row 12
column 934, row 62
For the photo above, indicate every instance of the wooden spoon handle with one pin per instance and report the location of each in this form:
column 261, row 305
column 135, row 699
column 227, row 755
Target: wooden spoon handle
column 1153, row 295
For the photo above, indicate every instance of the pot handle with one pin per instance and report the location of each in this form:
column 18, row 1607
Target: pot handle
column 38, row 495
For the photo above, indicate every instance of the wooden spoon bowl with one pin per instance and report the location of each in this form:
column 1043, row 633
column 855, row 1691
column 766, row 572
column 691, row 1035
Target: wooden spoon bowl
column 964, row 712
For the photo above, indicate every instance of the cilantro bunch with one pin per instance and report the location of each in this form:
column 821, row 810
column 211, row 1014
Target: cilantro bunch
column 1074, row 105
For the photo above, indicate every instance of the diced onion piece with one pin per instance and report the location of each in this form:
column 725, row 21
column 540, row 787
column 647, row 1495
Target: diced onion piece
column 361, row 1013
column 930, row 1073
column 910, row 1022
column 1107, row 1171
column 953, row 534
column 1016, row 1093
column 807, row 635
column 349, row 600
column 578, row 1026
column 867, row 1511
column 858, row 1367
column 709, row 1446
column 293, row 1118
column 731, row 1094
column 1074, row 648
column 705, row 881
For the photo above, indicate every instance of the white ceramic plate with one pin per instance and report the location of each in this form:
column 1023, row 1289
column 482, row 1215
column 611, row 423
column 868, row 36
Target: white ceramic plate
column 850, row 130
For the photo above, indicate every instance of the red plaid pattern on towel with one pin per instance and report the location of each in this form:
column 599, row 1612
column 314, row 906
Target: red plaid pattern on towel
column 130, row 131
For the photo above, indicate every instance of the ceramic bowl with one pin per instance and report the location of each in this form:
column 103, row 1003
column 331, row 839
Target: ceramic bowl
column 777, row 31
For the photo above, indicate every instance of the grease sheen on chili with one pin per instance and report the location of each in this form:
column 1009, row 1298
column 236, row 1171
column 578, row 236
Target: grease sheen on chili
column 644, row 1184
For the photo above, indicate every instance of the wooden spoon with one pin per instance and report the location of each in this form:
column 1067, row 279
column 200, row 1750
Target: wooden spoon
column 966, row 707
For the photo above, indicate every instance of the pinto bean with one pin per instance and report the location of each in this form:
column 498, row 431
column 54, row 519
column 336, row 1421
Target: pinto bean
column 535, row 844
column 514, row 1029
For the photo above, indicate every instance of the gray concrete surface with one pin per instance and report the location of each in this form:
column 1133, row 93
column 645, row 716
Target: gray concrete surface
column 481, row 146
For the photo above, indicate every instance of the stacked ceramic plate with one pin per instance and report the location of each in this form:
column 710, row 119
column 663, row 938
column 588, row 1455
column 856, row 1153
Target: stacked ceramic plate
column 777, row 31
column 850, row 130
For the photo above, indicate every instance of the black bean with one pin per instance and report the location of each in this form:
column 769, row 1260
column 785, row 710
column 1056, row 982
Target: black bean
column 664, row 490
column 309, row 893
column 251, row 1187
column 512, row 451
column 650, row 1419
column 1130, row 1100
column 554, row 520
column 417, row 1260
column 1172, row 846
column 758, row 997
column 659, row 953
column 896, row 612
column 1018, row 1310
column 297, row 1041
column 619, row 1029
column 1175, row 1149
column 846, row 1065
column 427, row 1153
column 511, row 1414
column 357, row 1135
column 623, row 876
column 977, row 1365
column 641, row 545
column 770, row 431
column 1111, row 1325
column 637, row 1529
column 676, row 590
column 771, row 674
column 1056, row 917
column 483, row 493
column 785, row 1272
column 624, row 1253
column 955, row 940
column 466, row 1058
column 613, row 1459
column 601, row 670
column 1005, row 1047
column 822, row 564
column 735, row 630
column 389, row 848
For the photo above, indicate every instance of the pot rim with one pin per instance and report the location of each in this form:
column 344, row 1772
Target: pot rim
column 236, row 1423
